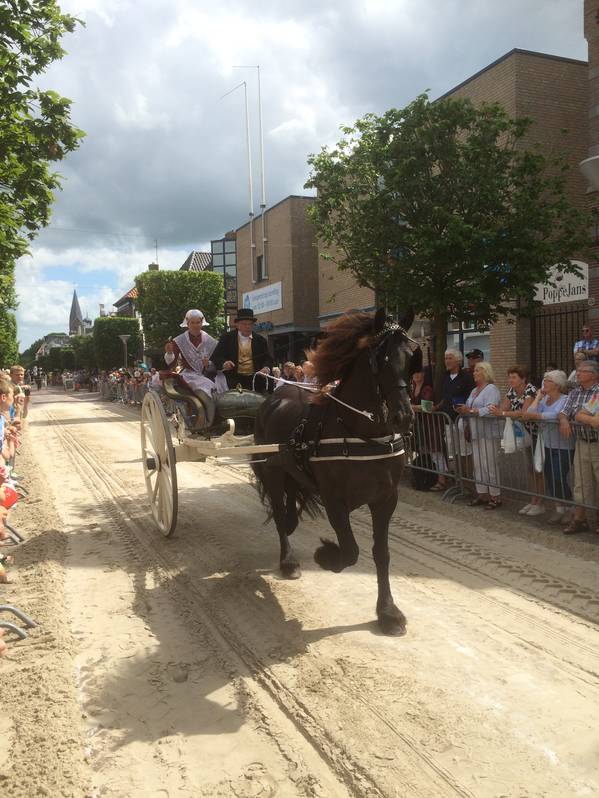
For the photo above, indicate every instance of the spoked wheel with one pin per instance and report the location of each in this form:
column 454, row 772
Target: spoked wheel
column 158, row 459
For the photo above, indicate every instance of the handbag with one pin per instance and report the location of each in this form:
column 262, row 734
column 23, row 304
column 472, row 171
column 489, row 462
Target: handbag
column 508, row 441
column 539, row 455
column 522, row 436
column 467, row 431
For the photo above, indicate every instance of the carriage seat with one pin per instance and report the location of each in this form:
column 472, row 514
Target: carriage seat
column 238, row 403
column 201, row 406
column 204, row 410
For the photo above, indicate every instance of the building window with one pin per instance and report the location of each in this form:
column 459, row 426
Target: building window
column 260, row 272
column 468, row 335
column 224, row 262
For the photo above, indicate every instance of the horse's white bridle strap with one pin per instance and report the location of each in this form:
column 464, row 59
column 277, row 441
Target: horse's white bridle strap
column 366, row 413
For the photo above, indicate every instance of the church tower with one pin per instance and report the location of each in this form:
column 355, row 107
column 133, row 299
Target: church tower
column 76, row 326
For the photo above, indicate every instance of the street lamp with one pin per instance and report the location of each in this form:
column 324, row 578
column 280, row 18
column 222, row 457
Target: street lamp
column 124, row 339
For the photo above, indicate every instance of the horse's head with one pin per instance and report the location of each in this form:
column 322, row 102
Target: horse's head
column 394, row 358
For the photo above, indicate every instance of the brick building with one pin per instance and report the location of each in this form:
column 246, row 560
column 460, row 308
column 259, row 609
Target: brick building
column 552, row 91
column 278, row 277
column 590, row 166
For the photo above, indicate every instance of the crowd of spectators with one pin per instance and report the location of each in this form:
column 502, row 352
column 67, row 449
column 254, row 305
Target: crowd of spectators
column 14, row 404
column 549, row 430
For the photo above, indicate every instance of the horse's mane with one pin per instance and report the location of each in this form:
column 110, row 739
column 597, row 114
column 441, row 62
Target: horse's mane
column 342, row 342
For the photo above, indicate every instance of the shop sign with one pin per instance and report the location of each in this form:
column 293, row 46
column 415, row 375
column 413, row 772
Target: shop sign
column 566, row 288
column 263, row 300
column 264, row 326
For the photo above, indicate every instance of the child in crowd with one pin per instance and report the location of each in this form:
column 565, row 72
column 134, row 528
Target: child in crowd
column 8, row 442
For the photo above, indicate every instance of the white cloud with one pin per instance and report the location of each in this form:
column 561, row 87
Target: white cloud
column 164, row 157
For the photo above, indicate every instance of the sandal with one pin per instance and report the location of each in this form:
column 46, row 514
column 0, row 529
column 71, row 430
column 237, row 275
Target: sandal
column 575, row 527
column 493, row 503
column 479, row 502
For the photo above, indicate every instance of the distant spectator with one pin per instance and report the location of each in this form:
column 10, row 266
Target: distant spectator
column 458, row 384
column 558, row 451
column 484, row 435
column 581, row 406
column 289, row 371
column 473, row 357
column 309, row 378
column 588, row 344
column 299, row 373
column 518, row 399
column 21, row 391
column 520, row 395
column 579, row 357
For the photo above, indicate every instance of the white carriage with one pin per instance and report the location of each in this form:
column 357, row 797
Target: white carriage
column 205, row 432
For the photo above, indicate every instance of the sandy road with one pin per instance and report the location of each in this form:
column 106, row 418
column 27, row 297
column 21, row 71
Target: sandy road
column 198, row 671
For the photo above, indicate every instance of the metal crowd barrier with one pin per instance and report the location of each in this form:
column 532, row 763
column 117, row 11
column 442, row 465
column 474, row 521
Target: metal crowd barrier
column 471, row 455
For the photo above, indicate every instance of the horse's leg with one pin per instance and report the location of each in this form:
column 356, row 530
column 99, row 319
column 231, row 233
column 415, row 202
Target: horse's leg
column 274, row 480
column 333, row 557
column 291, row 515
column 391, row 619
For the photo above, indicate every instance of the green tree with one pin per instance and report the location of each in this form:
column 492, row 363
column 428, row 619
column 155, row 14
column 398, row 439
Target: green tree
column 83, row 347
column 35, row 128
column 35, row 125
column 441, row 206
column 8, row 339
column 67, row 358
column 165, row 297
column 108, row 347
column 27, row 357
column 55, row 358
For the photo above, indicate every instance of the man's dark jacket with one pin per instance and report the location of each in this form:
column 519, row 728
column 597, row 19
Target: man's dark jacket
column 227, row 349
column 456, row 391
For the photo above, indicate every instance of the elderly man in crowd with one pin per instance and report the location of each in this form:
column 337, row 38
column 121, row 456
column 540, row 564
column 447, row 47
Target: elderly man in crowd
column 588, row 343
column 582, row 406
column 458, row 384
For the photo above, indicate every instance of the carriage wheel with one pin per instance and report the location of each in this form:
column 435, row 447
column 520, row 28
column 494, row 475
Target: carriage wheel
column 159, row 464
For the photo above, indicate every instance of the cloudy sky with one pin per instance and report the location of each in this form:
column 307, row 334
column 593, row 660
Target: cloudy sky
column 164, row 158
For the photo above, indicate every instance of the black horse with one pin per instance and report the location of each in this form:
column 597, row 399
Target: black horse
column 343, row 454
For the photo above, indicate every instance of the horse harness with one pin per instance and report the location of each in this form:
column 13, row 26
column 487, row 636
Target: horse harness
column 313, row 448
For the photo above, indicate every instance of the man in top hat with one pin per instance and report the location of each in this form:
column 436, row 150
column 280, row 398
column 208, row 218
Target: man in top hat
column 193, row 349
column 240, row 353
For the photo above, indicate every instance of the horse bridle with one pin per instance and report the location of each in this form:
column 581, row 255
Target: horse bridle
column 383, row 339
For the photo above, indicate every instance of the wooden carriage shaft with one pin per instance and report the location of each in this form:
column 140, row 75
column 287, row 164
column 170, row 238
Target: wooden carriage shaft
column 190, row 451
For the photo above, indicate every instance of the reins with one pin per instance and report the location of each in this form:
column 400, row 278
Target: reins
column 366, row 413
column 380, row 338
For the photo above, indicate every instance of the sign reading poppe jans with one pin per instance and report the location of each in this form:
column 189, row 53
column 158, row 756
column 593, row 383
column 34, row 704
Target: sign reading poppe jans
column 566, row 288
column 263, row 300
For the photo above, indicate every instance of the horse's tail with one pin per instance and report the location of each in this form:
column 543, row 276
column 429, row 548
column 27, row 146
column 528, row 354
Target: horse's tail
column 299, row 496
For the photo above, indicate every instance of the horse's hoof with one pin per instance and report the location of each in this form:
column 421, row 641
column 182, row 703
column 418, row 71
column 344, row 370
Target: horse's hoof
column 290, row 570
column 393, row 623
column 328, row 556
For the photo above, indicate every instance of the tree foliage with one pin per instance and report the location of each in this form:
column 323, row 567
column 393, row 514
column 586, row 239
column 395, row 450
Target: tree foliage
column 8, row 339
column 27, row 357
column 108, row 347
column 67, row 358
column 440, row 206
column 84, row 351
column 165, row 297
column 35, row 125
column 35, row 128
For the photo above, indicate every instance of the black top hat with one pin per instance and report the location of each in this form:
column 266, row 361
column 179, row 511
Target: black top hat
column 245, row 314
